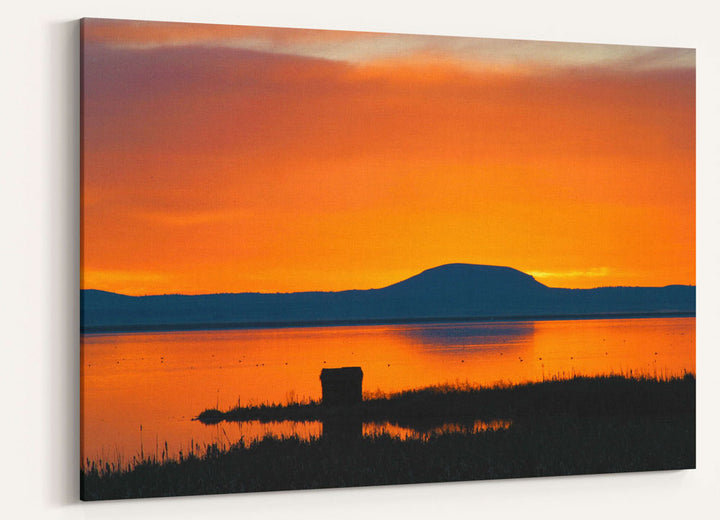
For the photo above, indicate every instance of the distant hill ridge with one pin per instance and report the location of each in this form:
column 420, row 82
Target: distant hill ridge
column 477, row 277
column 452, row 291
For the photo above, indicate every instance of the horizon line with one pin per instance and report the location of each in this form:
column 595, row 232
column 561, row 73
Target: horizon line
column 390, row 285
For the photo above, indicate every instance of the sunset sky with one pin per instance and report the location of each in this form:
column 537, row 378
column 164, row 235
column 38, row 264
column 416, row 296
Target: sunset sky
column 246, row 159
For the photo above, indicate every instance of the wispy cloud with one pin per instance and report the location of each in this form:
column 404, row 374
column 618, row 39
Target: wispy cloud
column 593, row 272
column 363, row 47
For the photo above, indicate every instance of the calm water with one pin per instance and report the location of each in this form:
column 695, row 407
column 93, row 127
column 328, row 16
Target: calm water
column 141, row 390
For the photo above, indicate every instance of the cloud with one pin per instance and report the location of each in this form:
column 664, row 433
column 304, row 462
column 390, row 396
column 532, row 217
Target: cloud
column 593, row 272
column 363, row 47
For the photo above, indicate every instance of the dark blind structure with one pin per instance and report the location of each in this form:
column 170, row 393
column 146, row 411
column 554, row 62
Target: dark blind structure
column 341, row 386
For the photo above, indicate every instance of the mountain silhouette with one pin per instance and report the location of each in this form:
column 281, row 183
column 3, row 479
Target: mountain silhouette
column 447, row 292
column 477, row 280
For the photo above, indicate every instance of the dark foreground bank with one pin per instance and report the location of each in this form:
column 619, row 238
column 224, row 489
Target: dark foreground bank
column 577, row 426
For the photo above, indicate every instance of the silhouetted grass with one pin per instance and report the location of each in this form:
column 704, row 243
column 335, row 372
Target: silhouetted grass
column 563, row 427
column 428, row 407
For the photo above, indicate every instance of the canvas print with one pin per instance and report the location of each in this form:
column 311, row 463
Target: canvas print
column 319, row 259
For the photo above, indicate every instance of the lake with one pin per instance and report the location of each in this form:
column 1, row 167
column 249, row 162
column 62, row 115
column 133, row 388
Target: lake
column 140, row 391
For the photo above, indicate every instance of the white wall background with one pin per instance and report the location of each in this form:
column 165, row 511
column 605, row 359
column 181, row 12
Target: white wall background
column 39, row 206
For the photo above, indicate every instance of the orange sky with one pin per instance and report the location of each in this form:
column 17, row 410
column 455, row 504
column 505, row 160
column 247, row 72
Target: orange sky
column 234, row 159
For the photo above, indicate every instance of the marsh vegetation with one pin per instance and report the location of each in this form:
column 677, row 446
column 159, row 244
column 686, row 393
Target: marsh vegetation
column 559, row 427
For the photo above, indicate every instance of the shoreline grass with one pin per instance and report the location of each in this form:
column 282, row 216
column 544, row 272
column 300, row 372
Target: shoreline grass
column 561, row 427
column 430, row 406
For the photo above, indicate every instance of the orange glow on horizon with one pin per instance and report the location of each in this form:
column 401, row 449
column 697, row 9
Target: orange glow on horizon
column 212, row 164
